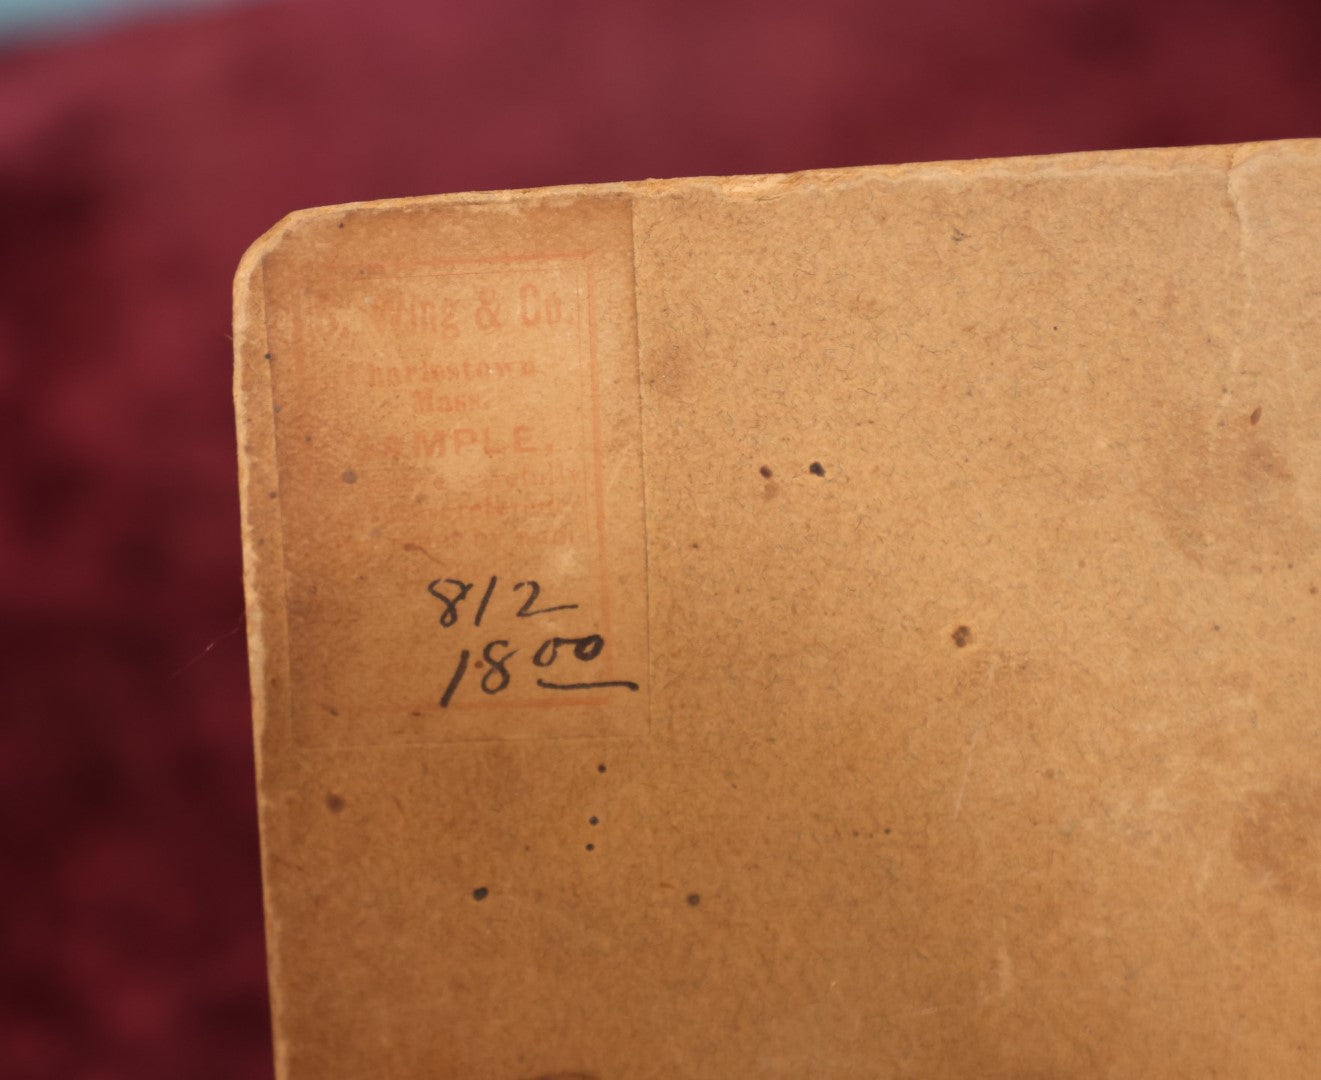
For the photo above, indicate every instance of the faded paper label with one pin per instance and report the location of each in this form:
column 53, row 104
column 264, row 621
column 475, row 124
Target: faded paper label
column 460, row 462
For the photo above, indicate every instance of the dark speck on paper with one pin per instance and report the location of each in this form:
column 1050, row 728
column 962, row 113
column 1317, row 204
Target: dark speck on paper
column 593, row 820
column 694, row 899
column 961, row 636
column 349, row 476
column 334, row 803
column 817, row 469
column 765, row 471
column 481, row 893
column 601, row 767
column 591, row 847
column 1255, row 417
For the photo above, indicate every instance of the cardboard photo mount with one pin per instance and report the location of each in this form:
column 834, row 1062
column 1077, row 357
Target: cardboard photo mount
column 861, row 623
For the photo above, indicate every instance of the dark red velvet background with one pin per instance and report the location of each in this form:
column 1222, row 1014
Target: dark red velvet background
column 136, row 165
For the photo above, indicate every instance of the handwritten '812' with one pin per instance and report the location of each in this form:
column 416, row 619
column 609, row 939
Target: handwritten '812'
column 496, row 654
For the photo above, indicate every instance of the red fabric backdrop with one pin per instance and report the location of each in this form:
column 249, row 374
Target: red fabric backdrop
column 136, row 165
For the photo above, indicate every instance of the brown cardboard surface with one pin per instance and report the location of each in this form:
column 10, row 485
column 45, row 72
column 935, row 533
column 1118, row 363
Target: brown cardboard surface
column 876, row 613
